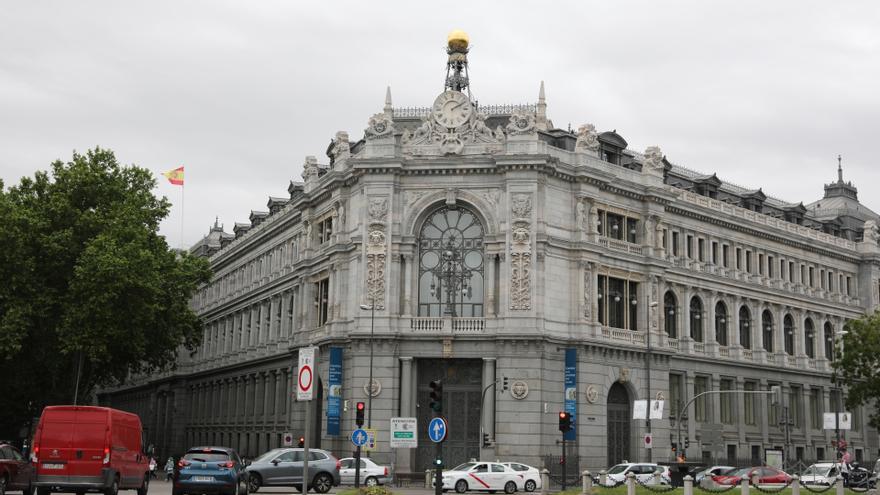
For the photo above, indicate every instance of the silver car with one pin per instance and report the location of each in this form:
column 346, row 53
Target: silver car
column 284, row 467
column 372, row 474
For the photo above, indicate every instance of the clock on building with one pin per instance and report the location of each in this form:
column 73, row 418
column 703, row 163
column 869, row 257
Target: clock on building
column 452, row 109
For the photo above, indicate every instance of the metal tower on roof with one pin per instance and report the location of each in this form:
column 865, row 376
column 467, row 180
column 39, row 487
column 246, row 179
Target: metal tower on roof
column 457, row 65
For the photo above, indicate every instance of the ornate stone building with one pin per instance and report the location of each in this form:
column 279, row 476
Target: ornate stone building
column 480, row 245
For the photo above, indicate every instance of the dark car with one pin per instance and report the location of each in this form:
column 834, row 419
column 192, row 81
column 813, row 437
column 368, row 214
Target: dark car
column 16, row 473
column 284, row 467
column 210, row 470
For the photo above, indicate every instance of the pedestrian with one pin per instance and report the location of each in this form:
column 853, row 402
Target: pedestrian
column 153, row 468
column 169, row 468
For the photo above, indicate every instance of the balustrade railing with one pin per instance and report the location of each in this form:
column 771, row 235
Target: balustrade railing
column 430, row 324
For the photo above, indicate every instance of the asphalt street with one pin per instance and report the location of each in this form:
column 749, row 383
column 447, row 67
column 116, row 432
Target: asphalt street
column 159, row 487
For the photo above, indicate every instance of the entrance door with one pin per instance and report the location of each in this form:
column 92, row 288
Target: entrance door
column 462, row 386
column 619, row 419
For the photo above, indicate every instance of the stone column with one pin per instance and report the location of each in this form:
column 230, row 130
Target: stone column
column 407, row 282
column 715, row 408
column 741, row 411
column 692, row 417
column 278, row 376
column 268, row 396
column 709, row 325
column 763, row 407
column 489, row 283
column 406, row 409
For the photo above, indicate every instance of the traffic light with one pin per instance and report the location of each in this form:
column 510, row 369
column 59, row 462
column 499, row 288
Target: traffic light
column 687, row 443
column 359, row 408
column 485, row 439
column 504, row 385
column 302, row 442
column 438, row 462
column 436, row 396
column 564, row 421
column 674, row 446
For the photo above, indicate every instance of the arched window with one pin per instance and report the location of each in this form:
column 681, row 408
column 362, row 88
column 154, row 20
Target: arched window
column 809, row 338
column 669, row 305
column 721, row 323
column 696, row 319
column 788, row 337
column 451, row 263
column 745, row 328
column 767, row 330
column 829, row 341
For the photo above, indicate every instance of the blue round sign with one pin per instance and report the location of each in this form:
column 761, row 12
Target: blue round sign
column 359, row 437
column 437, row 429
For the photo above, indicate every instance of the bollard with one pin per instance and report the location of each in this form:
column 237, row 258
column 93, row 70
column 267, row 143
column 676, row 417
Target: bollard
column 588, row 483
column 631, row 483
column 603, row 478
column 839, row 485
column 744, row 486
column 688, row 485
column 755, row 478
column 428, row 473
column 656, row 477
column 545, row 481
column 795, row 485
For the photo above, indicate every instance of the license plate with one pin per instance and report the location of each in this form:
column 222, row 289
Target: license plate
column 203, row 478
column 53, row 466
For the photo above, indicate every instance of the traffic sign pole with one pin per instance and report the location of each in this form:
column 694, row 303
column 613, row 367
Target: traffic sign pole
column 357, row 468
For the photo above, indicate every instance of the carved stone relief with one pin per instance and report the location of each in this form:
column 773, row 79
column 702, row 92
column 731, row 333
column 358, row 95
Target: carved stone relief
column 521, row 122
column 376, row 266
column 588, row 295
column 310, row 168
column 521, row 205
column 520, row 267
column 380, row 125
column 587, row 139
column 653, row 162
column 378, row 209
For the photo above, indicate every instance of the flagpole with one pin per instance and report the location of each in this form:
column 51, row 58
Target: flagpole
column 181, row 216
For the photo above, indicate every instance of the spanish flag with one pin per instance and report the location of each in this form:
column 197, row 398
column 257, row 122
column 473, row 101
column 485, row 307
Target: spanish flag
column 174, row 176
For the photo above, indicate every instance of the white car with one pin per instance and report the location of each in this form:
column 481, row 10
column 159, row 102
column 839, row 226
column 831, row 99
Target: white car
column 821, row 473
column 483, row 476
column 531, row 475
column 372, row 474
column 643, row 471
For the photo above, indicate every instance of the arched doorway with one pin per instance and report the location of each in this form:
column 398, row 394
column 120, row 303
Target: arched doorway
column 619, row 419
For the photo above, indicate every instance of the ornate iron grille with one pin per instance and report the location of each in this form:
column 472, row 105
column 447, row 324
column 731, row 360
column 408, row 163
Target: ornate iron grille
column 451, row 264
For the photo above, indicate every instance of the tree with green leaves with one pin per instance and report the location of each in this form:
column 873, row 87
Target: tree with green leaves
column 857, row 366
column 90, row 291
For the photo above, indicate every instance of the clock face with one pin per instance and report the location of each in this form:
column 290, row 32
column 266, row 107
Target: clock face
column 452, row 109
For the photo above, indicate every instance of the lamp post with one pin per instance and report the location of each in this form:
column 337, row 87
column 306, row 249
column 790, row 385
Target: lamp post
column 651, row 306
column 372, row 308
column 836, row 390
column 452, row 275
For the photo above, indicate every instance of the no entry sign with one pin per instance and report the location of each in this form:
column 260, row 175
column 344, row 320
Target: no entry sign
column 305, row 378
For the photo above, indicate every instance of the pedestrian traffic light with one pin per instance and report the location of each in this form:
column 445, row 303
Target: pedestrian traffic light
column 436, row 396
column 564, row 421
column 359, row 409
column 687, row 443
column 302, row 442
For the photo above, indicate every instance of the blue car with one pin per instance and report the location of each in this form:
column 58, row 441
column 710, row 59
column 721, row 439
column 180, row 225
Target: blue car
column 210, row 470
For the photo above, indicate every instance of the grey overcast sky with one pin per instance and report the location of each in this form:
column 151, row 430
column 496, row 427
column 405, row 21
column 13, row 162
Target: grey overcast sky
column 765, row 94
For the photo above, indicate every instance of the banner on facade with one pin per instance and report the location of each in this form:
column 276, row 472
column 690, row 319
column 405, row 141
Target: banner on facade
column 334, row 397
column 656, row 411
column 571, row 391
column 640, row 409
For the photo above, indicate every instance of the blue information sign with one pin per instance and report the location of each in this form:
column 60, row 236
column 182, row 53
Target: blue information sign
column 359, row 437
column 334, row 401
column 437, row 430
column 571, row 391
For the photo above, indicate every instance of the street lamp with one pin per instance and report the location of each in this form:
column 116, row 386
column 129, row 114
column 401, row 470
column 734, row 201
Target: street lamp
column 372, row 308
column 836, row 389
column 453, row 276
column 651, row 306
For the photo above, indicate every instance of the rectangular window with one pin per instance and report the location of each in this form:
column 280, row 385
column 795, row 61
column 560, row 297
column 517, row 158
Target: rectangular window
column 725, row 251
column 822, row 279
column 739, row 258
column 325, row 230
column 770, row 263
column 663, row 242
column 760, row 264
column 726, row 401
column 701, row 249
column 714, row 253
column 749, row 403
column 782, row 274
column 690, row 247
column 830, row 281
column 795, row 407
column 616, row 226
column 701, row 405
column 618, row 302
column 675, row 402
column 811, row 280
column 802, row 280
column 675, row 242
column 848, row 285
column 632, row 228
column 322, row 300
column 772, row 409
column 815, row 409
column 748, row 262
column 791, row 271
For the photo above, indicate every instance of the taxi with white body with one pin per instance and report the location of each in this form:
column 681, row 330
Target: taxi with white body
column 482, row 476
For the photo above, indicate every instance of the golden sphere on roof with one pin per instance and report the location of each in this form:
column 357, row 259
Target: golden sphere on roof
column 457, row 40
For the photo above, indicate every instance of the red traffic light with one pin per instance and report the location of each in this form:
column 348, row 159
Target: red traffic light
column 562, row 415
column 360, row 406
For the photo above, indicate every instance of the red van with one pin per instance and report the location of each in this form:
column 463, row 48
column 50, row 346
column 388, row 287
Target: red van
column 86, row 448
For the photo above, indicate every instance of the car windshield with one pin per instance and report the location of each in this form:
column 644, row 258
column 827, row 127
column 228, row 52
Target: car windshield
column 267, row 455
column 464, row 467
column 739, row 472
column 815, row 470
column 209, row 456
column 618, row 469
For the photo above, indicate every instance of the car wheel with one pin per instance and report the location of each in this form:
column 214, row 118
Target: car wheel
column 510, row 487
column 371, row 481
column 144, row 486
column 461, row 486
column 114, row 488
column 531, row 485
column 175, row 491
column 254, row 482
column 247, row 487
column 322, row 483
